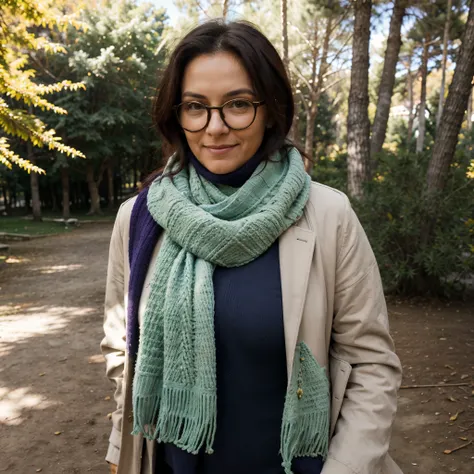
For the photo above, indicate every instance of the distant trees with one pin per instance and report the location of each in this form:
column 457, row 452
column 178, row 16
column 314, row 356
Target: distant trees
column 115, row 56
column 410, row 173
column 454, row 110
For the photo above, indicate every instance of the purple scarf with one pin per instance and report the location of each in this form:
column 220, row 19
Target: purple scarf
column 144, row 234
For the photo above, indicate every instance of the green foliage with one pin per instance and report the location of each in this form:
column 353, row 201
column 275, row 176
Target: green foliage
column 21, row 41
column 115, row 56
column 332, row 171
column 394, row 213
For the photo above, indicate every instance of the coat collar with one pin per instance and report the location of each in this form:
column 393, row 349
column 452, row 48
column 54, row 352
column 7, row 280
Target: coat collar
column 296, row 248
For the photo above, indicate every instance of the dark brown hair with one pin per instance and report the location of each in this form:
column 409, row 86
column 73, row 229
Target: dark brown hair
column 261, row 61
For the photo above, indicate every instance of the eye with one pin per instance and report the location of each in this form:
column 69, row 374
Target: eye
column 193, row 106
column 240, row 104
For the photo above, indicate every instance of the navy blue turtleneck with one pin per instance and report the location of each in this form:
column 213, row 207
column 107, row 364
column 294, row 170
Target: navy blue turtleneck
column 251, row 364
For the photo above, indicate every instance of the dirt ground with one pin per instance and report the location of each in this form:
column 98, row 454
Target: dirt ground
column 54, row 397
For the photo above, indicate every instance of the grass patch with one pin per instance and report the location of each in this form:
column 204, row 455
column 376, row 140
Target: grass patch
column 106, row 216
column 15, row 225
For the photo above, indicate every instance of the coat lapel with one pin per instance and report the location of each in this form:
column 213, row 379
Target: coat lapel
column 296, row 248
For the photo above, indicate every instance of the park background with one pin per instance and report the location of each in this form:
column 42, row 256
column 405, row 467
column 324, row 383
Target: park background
column 384, row 107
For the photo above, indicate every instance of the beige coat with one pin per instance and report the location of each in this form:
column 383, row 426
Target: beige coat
column 332, row 299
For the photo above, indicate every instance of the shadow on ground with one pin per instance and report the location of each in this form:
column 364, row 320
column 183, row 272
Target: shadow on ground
column 53, row 407
column 52, row 377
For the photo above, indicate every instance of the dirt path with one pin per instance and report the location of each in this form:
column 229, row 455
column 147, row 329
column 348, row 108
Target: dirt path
column 52, row 375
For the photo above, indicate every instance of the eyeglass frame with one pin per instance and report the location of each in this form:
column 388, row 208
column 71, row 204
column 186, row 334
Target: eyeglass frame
column 256, row 104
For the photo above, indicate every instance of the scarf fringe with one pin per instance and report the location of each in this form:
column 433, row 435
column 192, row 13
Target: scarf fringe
column 187, row 418
column 306, row 435
column 146, row 407
column 305, row 424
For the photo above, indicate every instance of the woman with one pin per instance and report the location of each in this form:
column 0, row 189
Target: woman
column 246, row 329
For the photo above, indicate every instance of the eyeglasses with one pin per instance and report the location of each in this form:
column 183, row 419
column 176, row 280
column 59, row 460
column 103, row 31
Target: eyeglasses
column 237, row 114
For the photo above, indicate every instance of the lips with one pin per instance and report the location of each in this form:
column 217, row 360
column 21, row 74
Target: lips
column 219, row 147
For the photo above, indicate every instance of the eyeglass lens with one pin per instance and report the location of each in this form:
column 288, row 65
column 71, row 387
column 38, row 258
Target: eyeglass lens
column 238, row 114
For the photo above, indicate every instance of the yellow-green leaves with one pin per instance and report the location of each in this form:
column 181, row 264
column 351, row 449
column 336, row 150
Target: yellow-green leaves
column 20, row 94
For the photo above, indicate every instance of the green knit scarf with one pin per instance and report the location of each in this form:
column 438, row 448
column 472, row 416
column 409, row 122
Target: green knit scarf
column 174, row 387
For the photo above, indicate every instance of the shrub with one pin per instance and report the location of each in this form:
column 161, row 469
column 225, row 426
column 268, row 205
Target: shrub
column 395, row 210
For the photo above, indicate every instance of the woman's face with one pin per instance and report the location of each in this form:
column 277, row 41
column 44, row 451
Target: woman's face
column 213, row 79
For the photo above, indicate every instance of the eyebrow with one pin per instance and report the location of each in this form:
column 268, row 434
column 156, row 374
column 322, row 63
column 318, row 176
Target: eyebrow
column 228, row 94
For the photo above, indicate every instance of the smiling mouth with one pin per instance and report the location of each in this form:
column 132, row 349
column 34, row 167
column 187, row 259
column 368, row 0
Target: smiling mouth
column 220, row 147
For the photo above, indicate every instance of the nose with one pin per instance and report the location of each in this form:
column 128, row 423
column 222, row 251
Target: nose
column 216, row 125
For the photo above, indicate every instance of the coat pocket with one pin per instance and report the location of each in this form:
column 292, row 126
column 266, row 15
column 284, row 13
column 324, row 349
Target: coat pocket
column 340, row 370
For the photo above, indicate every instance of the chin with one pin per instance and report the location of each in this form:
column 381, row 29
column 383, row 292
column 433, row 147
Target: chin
column 226, row 163
column 220, row 166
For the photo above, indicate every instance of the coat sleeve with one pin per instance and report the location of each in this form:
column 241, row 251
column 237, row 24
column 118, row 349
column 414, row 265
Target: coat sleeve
column 360, row 336
column 114, row 343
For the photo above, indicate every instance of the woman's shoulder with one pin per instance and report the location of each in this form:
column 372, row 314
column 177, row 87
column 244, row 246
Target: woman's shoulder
column 125, row 211
column 327, row 201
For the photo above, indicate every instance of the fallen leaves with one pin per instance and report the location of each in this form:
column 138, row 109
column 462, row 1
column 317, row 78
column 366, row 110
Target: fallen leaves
column 57, row 433
column 455, row 417
column 449, row 451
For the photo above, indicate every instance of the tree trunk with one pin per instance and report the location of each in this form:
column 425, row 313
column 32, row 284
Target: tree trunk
column 135, row 173
column 469, row 111
column 225, row 9
column 27, row 196
column 119, row 187
column 34, row 185
column 292, row 134
column 65, row 189
column 420, row 141
column 323, row 66
column 358, row 126
column 387, row 82
column 13, row 199
column 6, row 201
column 54, row 199
column 453, row 113
column 312, row 106
column 309, row 135
column 93, row 190
column 443, row 63
column 284, row 33
column 110, row 184
column 410, row 102
column 317, row 85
